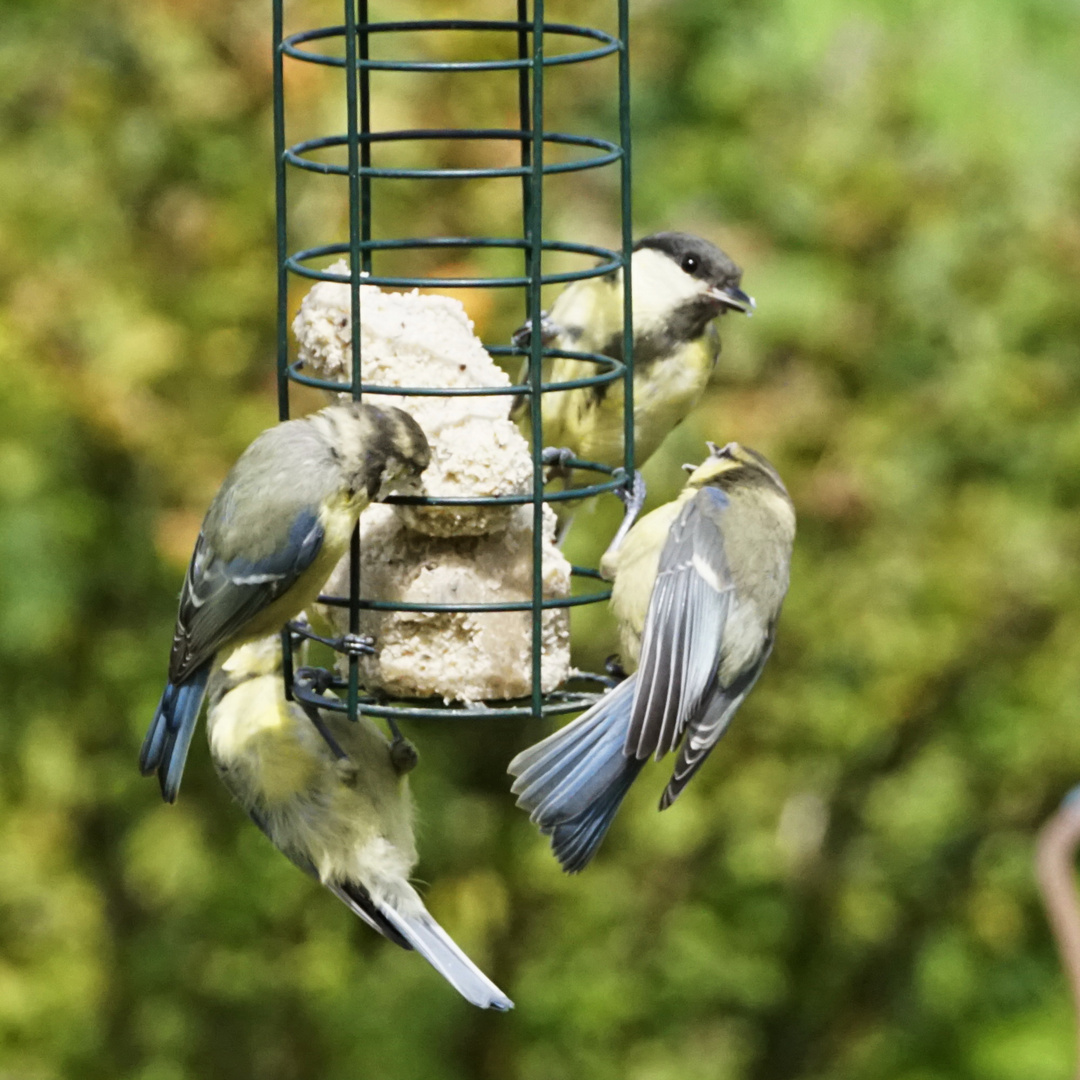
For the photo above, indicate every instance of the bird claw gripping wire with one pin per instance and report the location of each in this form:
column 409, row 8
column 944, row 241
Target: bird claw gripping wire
column 549, row 331
column 616, row 673
column 349, row 644
column 403, row 755
column 557, row 459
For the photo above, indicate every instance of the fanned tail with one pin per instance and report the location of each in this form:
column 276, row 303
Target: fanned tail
column 421, row 932
column 573, row 782
column 165, row 748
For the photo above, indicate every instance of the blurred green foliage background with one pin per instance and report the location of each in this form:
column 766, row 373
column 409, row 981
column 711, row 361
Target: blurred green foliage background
column 846, row 892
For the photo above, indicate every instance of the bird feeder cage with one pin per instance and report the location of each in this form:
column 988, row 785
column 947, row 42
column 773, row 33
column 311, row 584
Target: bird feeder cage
column 357, row 161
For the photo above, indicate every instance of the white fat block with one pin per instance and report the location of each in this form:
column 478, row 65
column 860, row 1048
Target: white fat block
column 442, row 555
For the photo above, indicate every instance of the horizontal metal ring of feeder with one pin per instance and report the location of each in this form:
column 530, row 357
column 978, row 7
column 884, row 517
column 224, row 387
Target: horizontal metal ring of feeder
column 608, row 46
column 610, row 371
column 296, row 154
column 610, row 261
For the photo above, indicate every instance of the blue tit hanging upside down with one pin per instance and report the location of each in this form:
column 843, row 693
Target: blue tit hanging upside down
column 681, row 284
column 348, row 823
column 279, row 524
column 698, row 586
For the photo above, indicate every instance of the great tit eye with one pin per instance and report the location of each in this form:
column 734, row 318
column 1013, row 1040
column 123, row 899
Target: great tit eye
column 690, row 264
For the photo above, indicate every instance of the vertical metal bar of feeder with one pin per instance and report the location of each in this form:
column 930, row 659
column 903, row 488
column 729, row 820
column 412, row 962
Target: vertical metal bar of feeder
column 523, row 125
column 354, row 295
column 627, row 238
column 280, row 221
column 365, row 130
column 282, row 271
column 536, row 345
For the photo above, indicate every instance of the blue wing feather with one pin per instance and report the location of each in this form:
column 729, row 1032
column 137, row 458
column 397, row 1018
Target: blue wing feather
column 218, row 599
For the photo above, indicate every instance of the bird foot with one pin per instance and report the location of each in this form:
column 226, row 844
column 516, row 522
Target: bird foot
column 613, row 666
column 355, row 645
column 557, row 459
column 349, row 644
column 403, row 756
column 557, row 456
column 549, row 331
column 615, row 673
column 319, row 679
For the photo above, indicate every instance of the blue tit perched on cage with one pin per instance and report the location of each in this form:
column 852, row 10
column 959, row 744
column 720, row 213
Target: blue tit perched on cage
column 278, row 525
column 681, row 284
column 698, row 587
column 347, row 822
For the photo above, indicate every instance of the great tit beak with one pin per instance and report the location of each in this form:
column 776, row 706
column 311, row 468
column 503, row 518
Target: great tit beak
column 733, row 297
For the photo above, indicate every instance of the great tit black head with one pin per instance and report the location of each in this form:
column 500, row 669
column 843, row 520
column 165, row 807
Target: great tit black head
column 715, row 275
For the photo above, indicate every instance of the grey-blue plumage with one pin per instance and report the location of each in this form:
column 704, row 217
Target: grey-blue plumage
column 698, row 588
column 276, row 528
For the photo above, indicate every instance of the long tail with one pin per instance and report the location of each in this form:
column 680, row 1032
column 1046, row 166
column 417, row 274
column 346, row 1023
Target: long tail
column 165, row 748
column 421, row 932
column 573, row 782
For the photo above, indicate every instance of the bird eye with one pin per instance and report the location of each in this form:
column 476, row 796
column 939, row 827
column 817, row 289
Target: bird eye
column 690, row 264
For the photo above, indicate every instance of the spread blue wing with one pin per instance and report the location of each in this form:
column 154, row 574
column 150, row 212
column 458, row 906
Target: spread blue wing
column 684, row 627
column 221, row 595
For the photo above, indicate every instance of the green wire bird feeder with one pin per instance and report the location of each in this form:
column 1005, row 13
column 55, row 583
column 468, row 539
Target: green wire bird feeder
column 539, row 45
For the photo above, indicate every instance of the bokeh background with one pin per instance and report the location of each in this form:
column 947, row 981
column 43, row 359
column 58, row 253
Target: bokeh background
column 846, row 892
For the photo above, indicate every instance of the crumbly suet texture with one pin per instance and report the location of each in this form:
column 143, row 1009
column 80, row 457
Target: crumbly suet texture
column 442, row 554
column 413, row 340
column 465, row 657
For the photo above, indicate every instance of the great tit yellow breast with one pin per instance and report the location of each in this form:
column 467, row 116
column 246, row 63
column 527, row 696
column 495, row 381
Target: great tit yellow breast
column 634, row 568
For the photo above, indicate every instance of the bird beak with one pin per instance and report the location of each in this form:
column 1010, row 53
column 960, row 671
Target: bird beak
column 734, row 297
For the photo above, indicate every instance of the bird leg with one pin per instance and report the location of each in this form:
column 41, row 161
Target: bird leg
column 315, row 716
column 320, row 681
column 633, row 499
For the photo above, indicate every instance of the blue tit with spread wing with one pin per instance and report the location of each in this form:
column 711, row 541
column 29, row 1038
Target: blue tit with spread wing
column 347, row 821
column 698, row 588
column 681, row 285
column 278, row 525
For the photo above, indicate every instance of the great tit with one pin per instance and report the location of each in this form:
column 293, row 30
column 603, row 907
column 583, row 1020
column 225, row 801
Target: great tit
column 275, row 530
column 681, row 284
column 346, row 821
column 698, row 586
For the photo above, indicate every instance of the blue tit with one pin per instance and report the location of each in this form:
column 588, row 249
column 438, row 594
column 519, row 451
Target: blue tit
column 346, row 821
column 681, row 284
column 279, row 524
column 698, row 586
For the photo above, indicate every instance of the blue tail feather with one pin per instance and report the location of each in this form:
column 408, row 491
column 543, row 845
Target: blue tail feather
column 165, row 748
column 573, row 782
column 576, row 840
